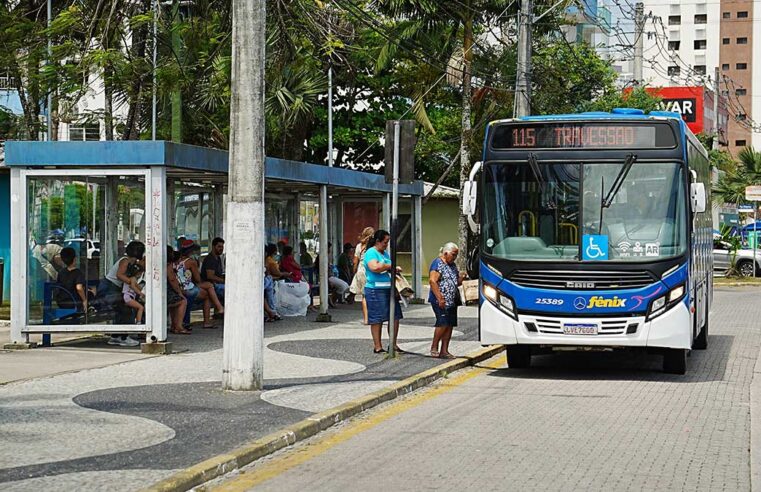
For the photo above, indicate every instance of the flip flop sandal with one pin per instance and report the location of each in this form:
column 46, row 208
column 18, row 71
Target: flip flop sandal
column 434, row 354
column 210, row 327
column 380, row 351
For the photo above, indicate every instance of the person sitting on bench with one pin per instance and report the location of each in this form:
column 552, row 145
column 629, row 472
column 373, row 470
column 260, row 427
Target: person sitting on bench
column 72, row 291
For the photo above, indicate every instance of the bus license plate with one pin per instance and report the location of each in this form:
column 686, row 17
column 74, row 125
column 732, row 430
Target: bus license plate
column 580, row 329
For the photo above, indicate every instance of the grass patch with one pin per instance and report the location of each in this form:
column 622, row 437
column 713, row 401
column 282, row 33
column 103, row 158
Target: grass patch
column 5, row 311
column 736, row 281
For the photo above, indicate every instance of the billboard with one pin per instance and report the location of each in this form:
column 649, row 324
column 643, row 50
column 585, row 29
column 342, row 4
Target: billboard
column 695, row 104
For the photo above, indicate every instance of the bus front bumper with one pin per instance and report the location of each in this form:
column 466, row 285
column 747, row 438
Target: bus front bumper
column 672, row 329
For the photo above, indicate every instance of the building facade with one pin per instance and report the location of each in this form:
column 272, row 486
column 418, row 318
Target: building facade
column 685, row 43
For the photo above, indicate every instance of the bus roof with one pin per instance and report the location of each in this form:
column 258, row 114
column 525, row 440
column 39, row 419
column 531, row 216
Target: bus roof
column 616, row 114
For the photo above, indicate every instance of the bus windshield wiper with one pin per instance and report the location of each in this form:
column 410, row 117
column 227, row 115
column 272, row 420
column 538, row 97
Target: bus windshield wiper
column 534, row 165
column 617, row 183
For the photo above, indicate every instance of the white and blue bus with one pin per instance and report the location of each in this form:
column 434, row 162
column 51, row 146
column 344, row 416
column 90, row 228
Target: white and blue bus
column 594, row 235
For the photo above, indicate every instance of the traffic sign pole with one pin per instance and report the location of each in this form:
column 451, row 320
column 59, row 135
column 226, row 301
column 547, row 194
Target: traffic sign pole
column 753, row 194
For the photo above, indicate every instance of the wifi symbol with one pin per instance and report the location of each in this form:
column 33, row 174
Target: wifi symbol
column 624, row 246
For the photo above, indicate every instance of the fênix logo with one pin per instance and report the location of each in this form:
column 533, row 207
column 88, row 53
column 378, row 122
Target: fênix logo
column 598, row 302
column 603, row 302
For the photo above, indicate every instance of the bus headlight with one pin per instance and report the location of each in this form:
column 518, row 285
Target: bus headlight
column 502, row 301
column 664, row 303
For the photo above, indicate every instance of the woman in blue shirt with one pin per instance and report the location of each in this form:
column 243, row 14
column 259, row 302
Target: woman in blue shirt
column 377, row 289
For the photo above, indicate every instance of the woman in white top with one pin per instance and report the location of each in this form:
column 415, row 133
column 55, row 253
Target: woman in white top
column 360, row 275
column 110, row 289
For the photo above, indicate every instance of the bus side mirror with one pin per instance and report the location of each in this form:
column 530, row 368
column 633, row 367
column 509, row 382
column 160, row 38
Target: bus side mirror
column 698, row 197
column 470, row 191
column 469, row 197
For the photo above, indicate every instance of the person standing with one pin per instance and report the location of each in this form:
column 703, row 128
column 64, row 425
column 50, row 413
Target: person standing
column 378, row 289
column 358, row 281
column 444, row 297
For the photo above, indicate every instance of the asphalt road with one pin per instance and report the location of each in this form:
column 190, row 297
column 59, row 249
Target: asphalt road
column 575, row 421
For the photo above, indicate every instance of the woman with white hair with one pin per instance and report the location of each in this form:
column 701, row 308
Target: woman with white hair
column 444, row 297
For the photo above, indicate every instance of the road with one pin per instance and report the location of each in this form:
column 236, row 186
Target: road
column 575, row 421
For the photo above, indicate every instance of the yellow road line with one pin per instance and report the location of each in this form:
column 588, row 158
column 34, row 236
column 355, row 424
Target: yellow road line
column 291, row 459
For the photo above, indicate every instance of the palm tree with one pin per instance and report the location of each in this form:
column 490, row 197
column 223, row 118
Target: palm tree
column 731, row 186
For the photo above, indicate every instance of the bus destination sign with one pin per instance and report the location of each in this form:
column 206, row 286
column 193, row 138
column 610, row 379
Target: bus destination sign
column 583, row 136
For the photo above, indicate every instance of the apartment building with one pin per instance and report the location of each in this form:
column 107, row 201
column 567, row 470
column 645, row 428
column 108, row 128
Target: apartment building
column 84, row 120
column 737, row 49
column 686, row 41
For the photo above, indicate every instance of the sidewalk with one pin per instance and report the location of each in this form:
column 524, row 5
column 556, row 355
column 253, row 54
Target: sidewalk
column 140, row 418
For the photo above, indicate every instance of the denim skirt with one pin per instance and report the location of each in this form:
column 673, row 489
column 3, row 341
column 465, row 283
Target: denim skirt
column 446, row 316
column 378, row 306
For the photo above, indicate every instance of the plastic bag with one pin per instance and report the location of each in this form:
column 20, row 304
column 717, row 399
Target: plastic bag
column 292, row 298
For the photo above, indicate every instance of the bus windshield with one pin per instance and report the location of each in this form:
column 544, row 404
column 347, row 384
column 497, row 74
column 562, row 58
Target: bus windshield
column 553, row 212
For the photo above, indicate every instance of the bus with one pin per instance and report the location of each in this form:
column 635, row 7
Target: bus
column 594, row 235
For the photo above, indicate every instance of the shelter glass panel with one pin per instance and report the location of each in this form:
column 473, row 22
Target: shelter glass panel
column 279, row 214
column 192, row 215
column 78, row 228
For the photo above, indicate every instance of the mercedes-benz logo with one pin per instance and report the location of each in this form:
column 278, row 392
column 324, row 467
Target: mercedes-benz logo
column 580, row 303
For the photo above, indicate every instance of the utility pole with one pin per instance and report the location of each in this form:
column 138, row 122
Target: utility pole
column 716, row 95
column 523, row 77
column 323, row 316
column 639, row 41
column 243, row 348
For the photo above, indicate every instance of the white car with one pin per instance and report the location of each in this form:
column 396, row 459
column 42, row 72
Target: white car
column 743, row 260
column 93, row 247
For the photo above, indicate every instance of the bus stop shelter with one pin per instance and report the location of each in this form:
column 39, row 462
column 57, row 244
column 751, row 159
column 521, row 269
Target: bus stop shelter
column 96, row 197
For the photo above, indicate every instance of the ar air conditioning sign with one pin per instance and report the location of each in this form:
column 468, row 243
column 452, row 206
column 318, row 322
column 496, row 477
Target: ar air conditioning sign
column 685, row 106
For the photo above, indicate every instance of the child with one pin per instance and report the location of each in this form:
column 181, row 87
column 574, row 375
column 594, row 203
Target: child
column 71, row 280
column 131, row 291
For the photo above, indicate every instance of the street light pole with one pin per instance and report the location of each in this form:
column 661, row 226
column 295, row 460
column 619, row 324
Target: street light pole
column 50, row 90
column 243, row 347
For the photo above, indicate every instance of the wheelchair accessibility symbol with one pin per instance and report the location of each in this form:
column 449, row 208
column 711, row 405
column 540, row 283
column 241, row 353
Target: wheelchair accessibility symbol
column 594, row 247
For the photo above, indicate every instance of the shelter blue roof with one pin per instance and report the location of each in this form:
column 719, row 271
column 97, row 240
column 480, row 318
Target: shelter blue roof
column 143, row 153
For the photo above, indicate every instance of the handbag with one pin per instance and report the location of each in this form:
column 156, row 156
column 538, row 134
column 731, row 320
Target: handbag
column 403, row 287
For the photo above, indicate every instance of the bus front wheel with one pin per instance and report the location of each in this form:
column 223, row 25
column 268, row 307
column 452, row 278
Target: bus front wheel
column 518, row 356
column 675, row 361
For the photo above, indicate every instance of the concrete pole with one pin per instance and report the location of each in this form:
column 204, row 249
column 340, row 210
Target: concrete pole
column 522, row 105
column 243, row 348
column 639, row 41
column 417, row 246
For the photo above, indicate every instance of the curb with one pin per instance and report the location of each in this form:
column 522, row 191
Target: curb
column 755, row 427
column 225, row 463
